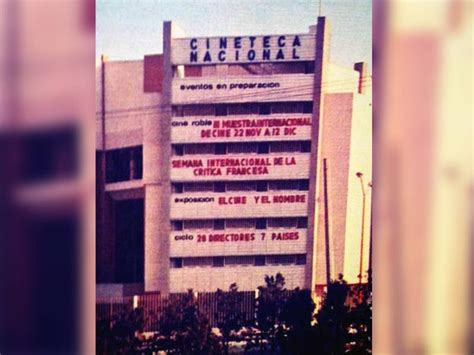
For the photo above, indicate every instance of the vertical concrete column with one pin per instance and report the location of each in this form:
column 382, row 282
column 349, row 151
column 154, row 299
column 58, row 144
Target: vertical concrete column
column 320, row 63
column 156, row 160
column 361, row 67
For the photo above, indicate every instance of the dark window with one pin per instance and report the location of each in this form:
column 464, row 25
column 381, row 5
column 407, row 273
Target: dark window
column 177, row 225
column 262, row 186
column 261, row 223
column 264, row 109
column 309, row 68
column 220, row 148
column 49, row 155
column 176, row 263
column 178, row 150
column 219, row 187
column 308, row 107
column 306, row 147
column 301, row 259
column 178, row 111
column 178, row 188
column 302, row 223
column 218, row 261
column 304, row 185
column 260, row 260
column 263, row 148
column 124, row 164
column 221, row 110
column 219, row 224
column 129, row 241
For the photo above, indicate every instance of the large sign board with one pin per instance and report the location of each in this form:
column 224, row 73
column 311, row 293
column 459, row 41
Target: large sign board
column 238, row 242
column 241, row 205
column 255, row 88
column 240, row 167
column 279, row 127
column 243, row 49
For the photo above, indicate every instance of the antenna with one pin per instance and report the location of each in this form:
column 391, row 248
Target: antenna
column 320, row 1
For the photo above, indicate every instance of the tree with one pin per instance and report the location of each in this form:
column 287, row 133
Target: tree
column 332, row 319
column 183, row 321
column 344, row 322
column 297, row 316
column 229, row 304
column 270, row 303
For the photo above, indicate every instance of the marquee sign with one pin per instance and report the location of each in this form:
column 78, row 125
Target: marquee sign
column 234, row 129
column 243, row 49
column 240, row 166
column 237, row 242
column 255, row 88
column 243, row 204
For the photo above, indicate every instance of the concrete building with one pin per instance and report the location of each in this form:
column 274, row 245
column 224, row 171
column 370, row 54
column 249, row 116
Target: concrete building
column 210, row 164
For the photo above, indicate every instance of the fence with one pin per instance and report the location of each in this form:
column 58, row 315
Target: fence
column 153, row 305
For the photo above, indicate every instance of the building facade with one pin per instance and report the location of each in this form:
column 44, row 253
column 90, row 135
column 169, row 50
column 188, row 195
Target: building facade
column 226, row 159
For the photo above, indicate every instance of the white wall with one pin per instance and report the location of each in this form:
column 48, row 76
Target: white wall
column 248, row 278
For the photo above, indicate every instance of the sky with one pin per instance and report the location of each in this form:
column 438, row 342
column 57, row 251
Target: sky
column 129, row 29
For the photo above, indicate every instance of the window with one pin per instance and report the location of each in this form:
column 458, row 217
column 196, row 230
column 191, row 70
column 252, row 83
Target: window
column 219, row 187
column 287, row 107
column 177, row 188
column 192, row 71
column 304, row 185
column 197, row 262
column 178, row 150
column 263, row 148
column 283, row 185
column 264, row 109
column 260, row 260
column 239, row 260
column 278, row 147
column 124, row 164
column 261, row 223
column 302, row 223
column 242, row 109
column 178, row 111
column 306, row 147
column 177, row 225
column 219, row 224
column 176, row 263
column 194, row 149
column 199, row 110
column 221, row 110
column 309, row 68
column 238, row 148
column 198, row 187
column 220, row 149
column 281, row 259
column 308, row 107
column 301, row 259
column 262, row 186
column 240, row 186
column 240, row 223
column 282, row 223
column 198, row 224
column 218, row 261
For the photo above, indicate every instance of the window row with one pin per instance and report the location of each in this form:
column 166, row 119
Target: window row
column 243, row 109
column 242, row 148
column 303, row 67
column 248, row 223
column 232, row 186
column 243, row 260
